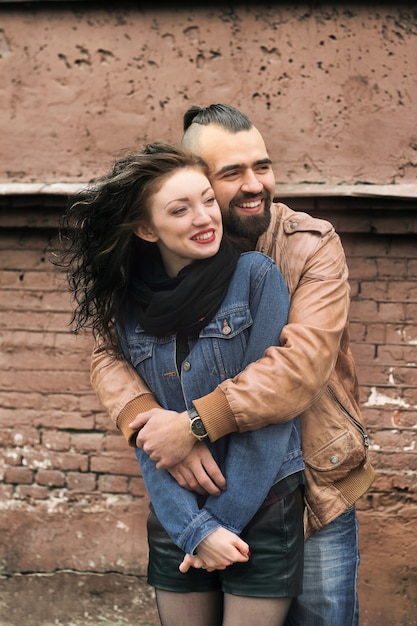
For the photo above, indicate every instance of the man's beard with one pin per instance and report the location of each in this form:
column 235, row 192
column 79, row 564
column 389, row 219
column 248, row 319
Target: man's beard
column 250, row 226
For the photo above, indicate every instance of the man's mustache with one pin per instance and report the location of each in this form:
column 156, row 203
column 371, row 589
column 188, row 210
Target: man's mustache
column 247, row 197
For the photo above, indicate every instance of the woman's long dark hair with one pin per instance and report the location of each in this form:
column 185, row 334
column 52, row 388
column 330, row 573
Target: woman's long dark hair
column 96, row 235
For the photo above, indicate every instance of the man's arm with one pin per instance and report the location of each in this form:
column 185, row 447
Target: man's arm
column 127, row 399
column 120, row 390
column 302, row 365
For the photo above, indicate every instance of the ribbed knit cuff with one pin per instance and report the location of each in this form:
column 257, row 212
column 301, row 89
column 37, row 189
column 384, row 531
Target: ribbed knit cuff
column 142, row 403
column 217, row 416
column 356, row 483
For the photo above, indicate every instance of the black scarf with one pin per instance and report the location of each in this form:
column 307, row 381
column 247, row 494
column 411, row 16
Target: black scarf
column 185, row 303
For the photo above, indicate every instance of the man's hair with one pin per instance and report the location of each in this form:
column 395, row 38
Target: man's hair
column 221, row 114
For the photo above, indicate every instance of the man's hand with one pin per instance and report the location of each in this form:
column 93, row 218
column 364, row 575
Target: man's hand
column 199, row 472
column 217, row 551
column 164, row 435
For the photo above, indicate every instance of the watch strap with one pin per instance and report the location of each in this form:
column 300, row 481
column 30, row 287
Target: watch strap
column 197, row 427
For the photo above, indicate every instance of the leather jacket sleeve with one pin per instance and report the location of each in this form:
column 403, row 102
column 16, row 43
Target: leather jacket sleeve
column 119, row 388
column 289, row 378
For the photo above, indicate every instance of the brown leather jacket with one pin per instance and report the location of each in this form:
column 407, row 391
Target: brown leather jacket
column 312, row 373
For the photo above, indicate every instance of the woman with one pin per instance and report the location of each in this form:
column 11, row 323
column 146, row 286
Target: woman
column 150, row 273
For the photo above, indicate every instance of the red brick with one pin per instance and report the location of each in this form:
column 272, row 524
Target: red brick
column 56, row 440
column 363, row 352
column 46, row 381
column 411, row 312
column 37, row 321
column 18, row 437
column 108, row 463
column 388, row 311
column 47, row 459
column 392, row 267
column 403, row 247
column 402, row 291
column 81, row 482
column 18, row 475
column 401, row 333
column 87, row 442
column 395, row 440
column 104, row 423
column 404, row 354
column 137, row 487
column 39, row 360
column 357, row 332
column 373, row 290
column 394, row 461
column 50, row 478
column 361, row 268
column 12, row 457
column 389, row 417
column 354, row 289
column 113, row 484
column 6, row 492
column 115, row 442
column 410, row 396
column 364, row 310
column 32, row 492
column 390, row 397
column 374, row 373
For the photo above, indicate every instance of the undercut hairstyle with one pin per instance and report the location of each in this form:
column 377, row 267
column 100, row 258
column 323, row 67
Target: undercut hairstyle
column 223, row 115
column 96, row 244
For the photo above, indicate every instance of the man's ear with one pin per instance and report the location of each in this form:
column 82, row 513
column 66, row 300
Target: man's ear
column 144, row 231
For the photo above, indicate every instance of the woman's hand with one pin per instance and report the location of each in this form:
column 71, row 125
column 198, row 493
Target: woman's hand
column 199, row 472
column 217, row 551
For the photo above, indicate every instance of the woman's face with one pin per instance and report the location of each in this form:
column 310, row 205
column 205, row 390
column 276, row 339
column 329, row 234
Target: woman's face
column 185, row 220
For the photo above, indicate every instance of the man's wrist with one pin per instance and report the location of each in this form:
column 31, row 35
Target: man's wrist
column 197, row 428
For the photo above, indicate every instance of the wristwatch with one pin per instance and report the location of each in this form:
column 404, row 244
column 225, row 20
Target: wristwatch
column 197, row 427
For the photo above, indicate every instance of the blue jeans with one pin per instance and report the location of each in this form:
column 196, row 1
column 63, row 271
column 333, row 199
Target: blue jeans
column 331, row 560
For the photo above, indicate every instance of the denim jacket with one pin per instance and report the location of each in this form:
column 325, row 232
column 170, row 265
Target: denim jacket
column 249, row 320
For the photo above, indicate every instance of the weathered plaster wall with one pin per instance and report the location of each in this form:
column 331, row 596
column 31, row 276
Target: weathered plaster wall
column 333, row 87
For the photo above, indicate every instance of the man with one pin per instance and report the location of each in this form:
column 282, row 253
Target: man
column 311, row 374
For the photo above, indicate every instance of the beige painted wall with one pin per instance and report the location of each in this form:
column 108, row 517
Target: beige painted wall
column 333, row 88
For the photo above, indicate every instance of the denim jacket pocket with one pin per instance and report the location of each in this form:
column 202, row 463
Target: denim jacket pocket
column 223, row 342
column 142, row 349
column 228, row 323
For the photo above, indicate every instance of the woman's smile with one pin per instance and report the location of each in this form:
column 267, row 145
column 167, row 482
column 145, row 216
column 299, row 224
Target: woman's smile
column 185, row 220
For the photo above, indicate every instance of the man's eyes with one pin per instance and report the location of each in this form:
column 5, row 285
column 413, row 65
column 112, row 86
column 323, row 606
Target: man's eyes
column 260, row 169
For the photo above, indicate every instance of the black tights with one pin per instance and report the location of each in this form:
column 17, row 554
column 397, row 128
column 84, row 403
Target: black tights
column 213, row 608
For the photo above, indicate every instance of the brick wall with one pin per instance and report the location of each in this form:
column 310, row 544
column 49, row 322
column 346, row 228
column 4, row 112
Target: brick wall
column 71, row 491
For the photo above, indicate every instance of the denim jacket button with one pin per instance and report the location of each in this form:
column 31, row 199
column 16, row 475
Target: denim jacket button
column 186, row 366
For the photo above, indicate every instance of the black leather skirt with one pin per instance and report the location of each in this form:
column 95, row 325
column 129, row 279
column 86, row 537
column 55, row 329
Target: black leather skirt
column 275, row 569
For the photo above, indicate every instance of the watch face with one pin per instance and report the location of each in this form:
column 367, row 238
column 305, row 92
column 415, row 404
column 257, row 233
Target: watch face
column 197, row 427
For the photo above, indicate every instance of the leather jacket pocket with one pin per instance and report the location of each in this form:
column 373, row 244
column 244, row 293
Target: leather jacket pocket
column 334, row 441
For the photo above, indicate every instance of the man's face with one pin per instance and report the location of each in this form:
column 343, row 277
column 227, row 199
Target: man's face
column 242, row 178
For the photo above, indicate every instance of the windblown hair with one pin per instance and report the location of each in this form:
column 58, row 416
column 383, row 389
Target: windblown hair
column 221, row 114
column 96, row 236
